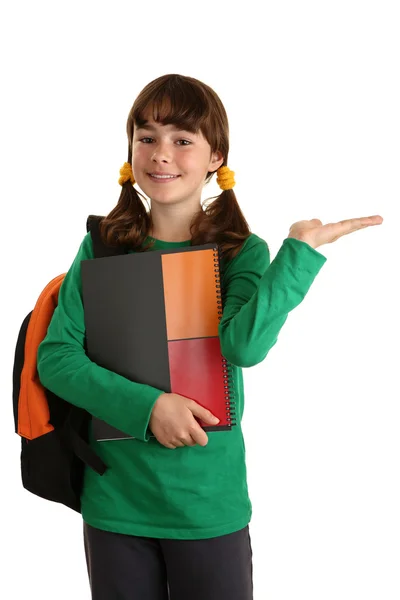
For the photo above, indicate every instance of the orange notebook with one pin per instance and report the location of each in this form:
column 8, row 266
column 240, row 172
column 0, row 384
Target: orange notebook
column 153, row 317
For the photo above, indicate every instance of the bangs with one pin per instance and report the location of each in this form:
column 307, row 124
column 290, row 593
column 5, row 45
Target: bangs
column 173, row 102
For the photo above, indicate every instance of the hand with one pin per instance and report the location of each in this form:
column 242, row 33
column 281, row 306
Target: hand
column 315, row 234
column 173, row 421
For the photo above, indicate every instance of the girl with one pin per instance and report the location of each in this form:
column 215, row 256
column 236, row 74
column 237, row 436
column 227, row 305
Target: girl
column 170, row 517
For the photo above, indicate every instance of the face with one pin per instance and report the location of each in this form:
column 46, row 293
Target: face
column 164, row 149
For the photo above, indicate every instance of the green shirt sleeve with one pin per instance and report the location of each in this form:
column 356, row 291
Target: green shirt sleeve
column 258, row 295
column 65, row 369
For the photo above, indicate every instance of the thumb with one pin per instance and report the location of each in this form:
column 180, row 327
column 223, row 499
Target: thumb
column 202, row 413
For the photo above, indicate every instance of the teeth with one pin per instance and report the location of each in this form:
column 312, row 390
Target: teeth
column 164, row 176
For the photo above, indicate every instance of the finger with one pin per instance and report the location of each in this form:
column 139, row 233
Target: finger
column 172, row 443
column 199, row 436
column 182, row 443
column 362, row 222
column 190, row 442
column 375, row 218
column 203, row 413
column 186, row 443
column 179, row 443
column 350, row 225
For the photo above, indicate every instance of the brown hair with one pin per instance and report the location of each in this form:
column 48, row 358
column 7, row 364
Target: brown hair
column 191, row 105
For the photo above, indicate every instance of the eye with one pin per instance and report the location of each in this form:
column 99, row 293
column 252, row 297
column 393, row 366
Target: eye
column 149, row 138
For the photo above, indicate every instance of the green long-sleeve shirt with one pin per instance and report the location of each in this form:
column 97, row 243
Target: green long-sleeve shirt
column 192, row 492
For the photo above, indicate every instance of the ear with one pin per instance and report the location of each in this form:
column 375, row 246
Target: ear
column 216, row 161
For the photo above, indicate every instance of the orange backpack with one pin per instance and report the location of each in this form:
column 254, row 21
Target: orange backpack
column 54, row 433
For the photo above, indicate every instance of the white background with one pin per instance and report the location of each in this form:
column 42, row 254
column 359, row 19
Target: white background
column 312, row 94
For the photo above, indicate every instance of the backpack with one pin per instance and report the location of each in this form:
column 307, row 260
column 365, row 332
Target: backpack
column 54, row 433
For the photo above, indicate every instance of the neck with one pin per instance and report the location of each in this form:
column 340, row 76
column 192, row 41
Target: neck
column 171, row 225
column 169, row 236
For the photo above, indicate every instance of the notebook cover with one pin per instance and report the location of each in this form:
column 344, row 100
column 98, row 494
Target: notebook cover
column 153, row 317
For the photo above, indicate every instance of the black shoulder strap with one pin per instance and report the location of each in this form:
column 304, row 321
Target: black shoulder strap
column 99, row 248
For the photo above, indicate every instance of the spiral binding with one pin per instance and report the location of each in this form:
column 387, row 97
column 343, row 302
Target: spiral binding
column 226, row 367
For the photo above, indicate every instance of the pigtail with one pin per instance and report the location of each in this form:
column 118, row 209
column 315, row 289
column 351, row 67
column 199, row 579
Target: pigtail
column 222, row 221
column 129, row 222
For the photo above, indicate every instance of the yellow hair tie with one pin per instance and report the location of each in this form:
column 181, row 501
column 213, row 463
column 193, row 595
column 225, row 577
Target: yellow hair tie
column 225, row 178
column 126, row 174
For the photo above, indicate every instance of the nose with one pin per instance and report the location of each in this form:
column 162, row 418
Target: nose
column 161, row 153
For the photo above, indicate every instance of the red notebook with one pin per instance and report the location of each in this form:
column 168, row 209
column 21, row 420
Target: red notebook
column 153, row 317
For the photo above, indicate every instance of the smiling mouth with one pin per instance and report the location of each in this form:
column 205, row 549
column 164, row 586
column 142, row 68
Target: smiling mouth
column 162, row 178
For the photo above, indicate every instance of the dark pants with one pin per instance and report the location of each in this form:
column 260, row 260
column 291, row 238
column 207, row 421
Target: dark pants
column 127, row 567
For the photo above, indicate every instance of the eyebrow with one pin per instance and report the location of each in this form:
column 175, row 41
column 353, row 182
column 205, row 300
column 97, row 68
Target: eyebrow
column 149, row 127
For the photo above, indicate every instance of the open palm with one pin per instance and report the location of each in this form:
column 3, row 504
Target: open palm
column 315, row 234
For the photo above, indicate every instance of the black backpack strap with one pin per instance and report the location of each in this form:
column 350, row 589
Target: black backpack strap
column 71, row 432
column 86, row 454
column 99, row 248
column 92, row 221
